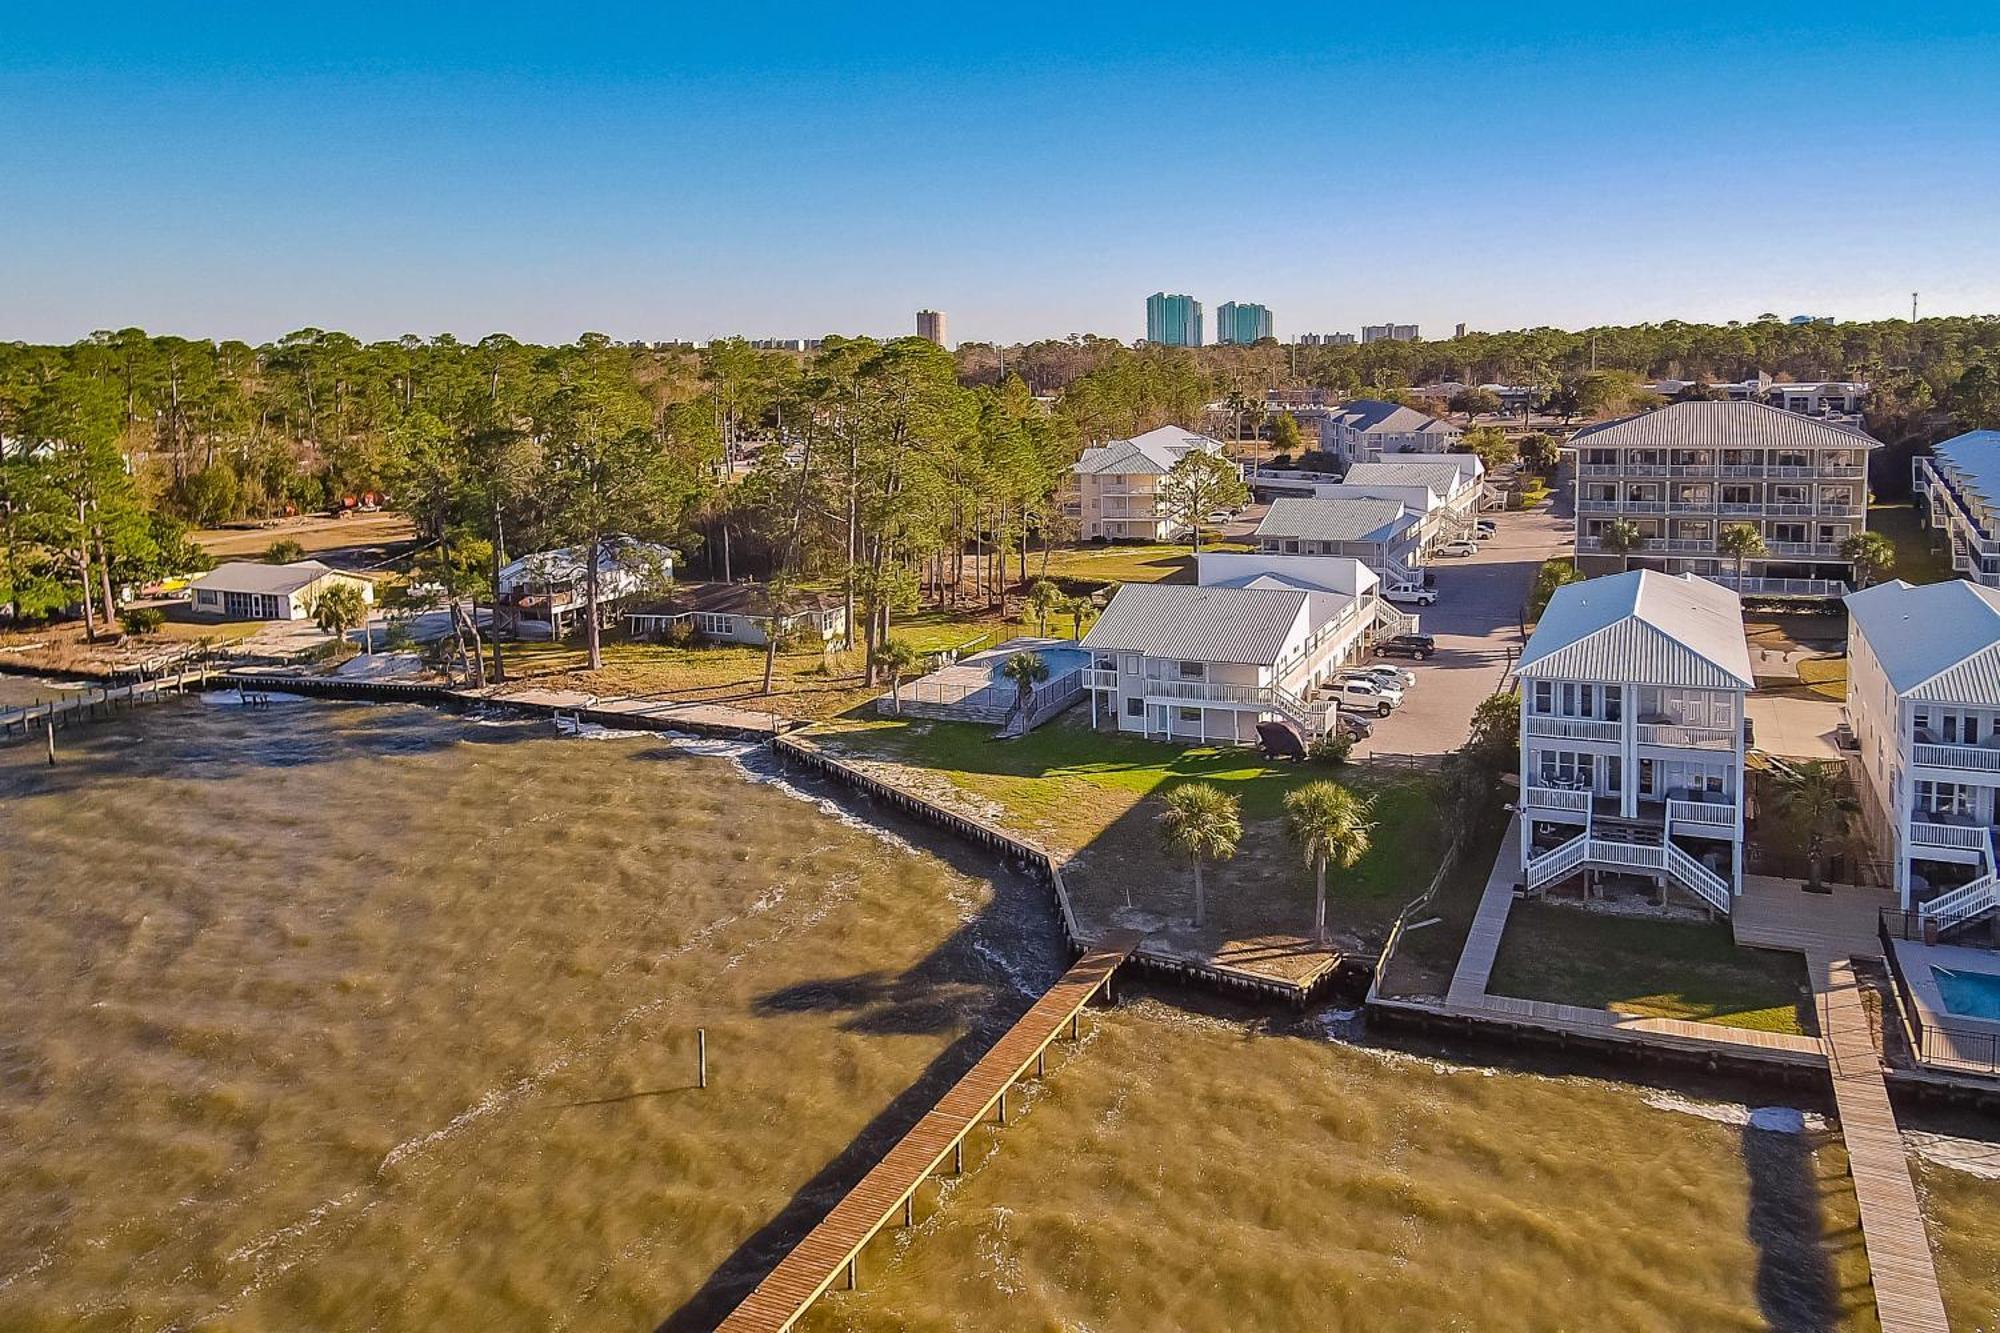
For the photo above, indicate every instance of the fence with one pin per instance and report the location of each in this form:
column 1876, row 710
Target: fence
column 1417, row 904
column 1940, row 1044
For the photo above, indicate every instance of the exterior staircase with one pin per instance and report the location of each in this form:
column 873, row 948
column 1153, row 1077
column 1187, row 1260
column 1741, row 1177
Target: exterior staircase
column 1594, row 849
column 1968, row 902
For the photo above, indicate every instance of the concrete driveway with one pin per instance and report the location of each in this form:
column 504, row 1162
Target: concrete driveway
column 1477, row 623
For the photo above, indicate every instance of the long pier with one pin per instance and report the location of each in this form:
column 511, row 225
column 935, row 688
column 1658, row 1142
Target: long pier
column 833, row 1248
column 88, row 703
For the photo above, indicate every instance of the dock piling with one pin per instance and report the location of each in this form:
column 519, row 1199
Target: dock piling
column 701, row 1057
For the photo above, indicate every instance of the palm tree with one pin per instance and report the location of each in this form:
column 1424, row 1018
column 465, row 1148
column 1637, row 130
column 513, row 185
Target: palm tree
column 1744, row 542
column 1026, row 670
column 340, row 609
column 897, row 656
column 1202, row 823
column 1328, row 824
column 1044, row 598
column 1871, row 554
column 1620, row 536
column 1814, row 796
column 1077, row 608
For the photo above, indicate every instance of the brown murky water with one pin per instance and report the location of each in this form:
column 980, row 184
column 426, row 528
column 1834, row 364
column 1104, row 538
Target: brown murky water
column 325, row 1016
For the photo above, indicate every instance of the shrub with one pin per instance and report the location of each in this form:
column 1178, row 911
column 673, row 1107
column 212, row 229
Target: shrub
column 1332, row 749
column 284, row 551
column 143, row 620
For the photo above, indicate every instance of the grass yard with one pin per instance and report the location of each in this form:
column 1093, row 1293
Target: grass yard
column 1093, row 563
column 1648, row 967
column 1825, row 676
column 1427, row 957
column 1916, row 561
column 1093, row 797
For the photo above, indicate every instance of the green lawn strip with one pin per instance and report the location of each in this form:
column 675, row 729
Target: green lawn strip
column 1647, row 967
column 1095, row 564
column 1427, row 957
column 1916, row 561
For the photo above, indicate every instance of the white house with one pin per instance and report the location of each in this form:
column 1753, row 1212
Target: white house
column 1368, row 429
column 1632, row 692
column 1960, row 485
column 739, row 613
column 1249, row 643
column 541, row 595
column 249, row 590
column 1385, row 535
column 1447, row 490
column 1923, row 698
column 1118, row 484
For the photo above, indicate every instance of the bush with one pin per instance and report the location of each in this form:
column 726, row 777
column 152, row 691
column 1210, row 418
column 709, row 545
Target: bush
column 284, row 551
column 143, row 620
column 1332, row 749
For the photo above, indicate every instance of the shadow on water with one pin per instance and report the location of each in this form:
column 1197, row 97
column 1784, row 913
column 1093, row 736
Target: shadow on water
column 960, row 981
column 1795, row 1281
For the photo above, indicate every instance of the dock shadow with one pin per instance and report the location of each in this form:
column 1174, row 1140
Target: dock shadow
column 1795, row 1285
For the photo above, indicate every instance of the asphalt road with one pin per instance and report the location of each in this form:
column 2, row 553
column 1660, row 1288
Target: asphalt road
column 1477, row 623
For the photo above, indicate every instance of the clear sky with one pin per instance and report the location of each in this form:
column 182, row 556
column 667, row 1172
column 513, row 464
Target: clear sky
column 688, row 170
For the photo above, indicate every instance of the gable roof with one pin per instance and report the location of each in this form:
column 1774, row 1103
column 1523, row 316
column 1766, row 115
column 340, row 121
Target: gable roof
column 1443, row 478
column 253, row 576
column 1217, row 623
column 1722, row 425
column 1336, row 520
column 1975, row 459
column 1935, row 641
column 1372, row 416
column 1153, row 453
column 1642, row 628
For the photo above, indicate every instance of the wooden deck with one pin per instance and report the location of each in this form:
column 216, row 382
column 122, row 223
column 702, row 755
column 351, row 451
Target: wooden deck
column 86, row 704
column 1892, row 1225
column 834, row 1246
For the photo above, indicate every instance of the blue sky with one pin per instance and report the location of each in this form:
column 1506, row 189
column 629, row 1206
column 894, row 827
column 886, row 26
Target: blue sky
column 686, row 171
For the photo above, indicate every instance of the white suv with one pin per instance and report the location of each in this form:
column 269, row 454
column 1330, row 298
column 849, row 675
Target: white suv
column 1409, row 596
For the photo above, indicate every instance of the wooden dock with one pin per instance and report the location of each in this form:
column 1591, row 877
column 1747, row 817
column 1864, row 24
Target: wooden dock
column 833, row 1248
column 1900, row 1265
column 95, row 701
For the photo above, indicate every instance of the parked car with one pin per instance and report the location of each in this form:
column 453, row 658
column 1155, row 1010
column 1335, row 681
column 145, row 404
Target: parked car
column 1419, row 646
column 1459, row 548
column 1485, row 527
column 1359, row 728
column 1365, row 696
column 1399, row 677
column 1412, row 596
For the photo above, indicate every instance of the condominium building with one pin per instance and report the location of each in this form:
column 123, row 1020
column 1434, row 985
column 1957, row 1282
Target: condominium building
column 1923, row 698
column 1326, row 340
column 1173, row 319
column 1959, row 485
column 1249, row 643
column 1366, row 429
column 1380, row 333
column 1632, row 692
column 932, row 327
column 1385, row 535
column 1684, row 472
column 1117, row 494
column 1241, row 323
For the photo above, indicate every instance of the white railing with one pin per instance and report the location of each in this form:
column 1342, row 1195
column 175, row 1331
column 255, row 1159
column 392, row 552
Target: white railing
column 1816, row 550
column 1960, row 837
column 1631, row 855
column 1970, row 757
column 1711, row 887
column 1965, row 903
column 1572, row 728
column 1701, row 812
column 1553, row 865
column 1685, row 737
column 1664, row 858
column 1558, row 798
column 1752, row 585
column 1202, row 691
column 1100, row 678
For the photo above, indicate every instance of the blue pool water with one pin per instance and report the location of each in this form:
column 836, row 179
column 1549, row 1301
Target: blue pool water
column 1061, row 661
column 1974, row 994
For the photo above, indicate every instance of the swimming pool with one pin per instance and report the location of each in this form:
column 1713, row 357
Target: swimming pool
column 1061, row 661
column 1971, row 994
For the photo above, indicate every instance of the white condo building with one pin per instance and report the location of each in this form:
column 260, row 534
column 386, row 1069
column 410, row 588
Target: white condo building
column 1250, row 642
column 1923, row 698
column 1632, row 692
column 1118, row 484
column 1367, row 429
column 1385, row 535
column 1960, row 486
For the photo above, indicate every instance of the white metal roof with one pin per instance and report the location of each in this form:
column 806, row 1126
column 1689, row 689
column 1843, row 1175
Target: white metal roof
column 624, row 565
column 1372, row 416
column 1443, row 478
column 1642, row 628
column 1974, row 458
column 251, row 576
column 1339, row 520
column 1218, row 623
column 1153, row 453
column 1701, row 424
column 1935, row 641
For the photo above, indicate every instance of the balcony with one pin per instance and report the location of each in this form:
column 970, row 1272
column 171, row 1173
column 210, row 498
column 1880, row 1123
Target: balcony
column 1813, row 550
column 1966, row 837
column 1656, row 545
column 1755, row 586
column 1706, row 814
column 1971, row 758
column 1556, row 798
column 1573, row 728
column 1687, row 737
column 1100, row 678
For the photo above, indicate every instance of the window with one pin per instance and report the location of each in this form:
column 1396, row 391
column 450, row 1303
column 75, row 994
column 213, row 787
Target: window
column 1788, row 532
column 1189, row 714
column 709, row 623
column 208, row 597
column 1944, row 798
column 1129, row 663
column 1192, row 670
column 1545, row 696
column 1135, row 706
column 1614, row 702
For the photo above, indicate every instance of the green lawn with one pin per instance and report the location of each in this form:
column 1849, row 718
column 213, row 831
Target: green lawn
column 1098, row 564
column 1916, row 561
column 1648, row 967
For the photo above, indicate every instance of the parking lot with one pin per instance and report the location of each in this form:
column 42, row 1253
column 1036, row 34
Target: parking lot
column 1477, row 623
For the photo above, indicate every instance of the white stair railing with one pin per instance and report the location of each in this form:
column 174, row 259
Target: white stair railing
column 1967, row 902
column 1710, row 887
column 1552, row 865
column 1665, row 858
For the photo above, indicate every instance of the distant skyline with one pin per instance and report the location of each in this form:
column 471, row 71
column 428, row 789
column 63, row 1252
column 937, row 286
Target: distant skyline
column 790, row 171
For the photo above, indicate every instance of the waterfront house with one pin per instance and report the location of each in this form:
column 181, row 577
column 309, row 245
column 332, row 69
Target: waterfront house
column 1251, row 642
column 1369, row 429
column 1117, row 485
column 740, row 613
column 1683, row 472
column 1923, row 699
column 1385, row 535
column 249, row 590
column 543, row 595
column 1632, row 692
column 1959, row 485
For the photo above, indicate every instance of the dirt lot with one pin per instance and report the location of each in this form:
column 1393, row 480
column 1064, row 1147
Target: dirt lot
column 352, row 541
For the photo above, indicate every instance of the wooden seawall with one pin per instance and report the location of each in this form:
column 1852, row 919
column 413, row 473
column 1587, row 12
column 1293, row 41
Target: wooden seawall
column 834, row 1247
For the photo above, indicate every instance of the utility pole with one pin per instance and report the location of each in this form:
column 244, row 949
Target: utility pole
column 1913, row 307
